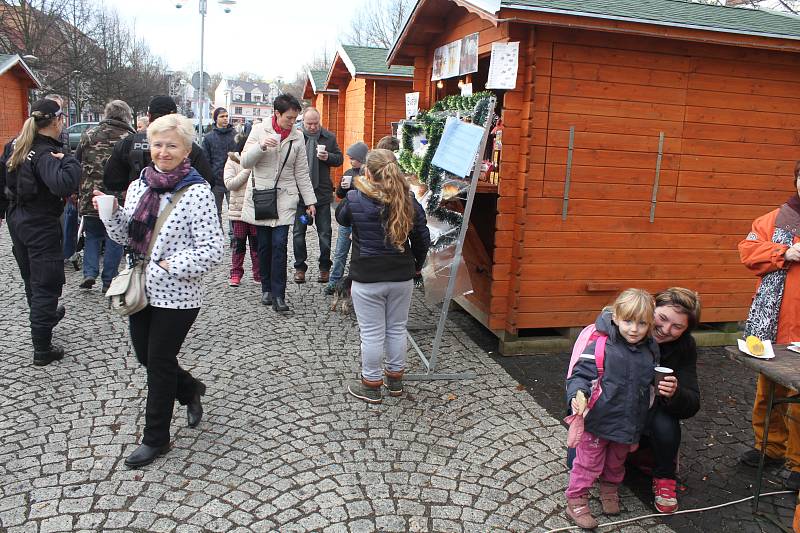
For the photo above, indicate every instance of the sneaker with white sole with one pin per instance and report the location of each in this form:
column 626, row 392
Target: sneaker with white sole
column 665, row 495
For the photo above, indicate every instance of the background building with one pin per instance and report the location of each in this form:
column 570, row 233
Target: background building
column 245, row 100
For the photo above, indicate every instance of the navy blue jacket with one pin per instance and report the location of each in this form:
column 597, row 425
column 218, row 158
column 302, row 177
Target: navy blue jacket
column 621, row 410
column 216, row 145
column 373, row 258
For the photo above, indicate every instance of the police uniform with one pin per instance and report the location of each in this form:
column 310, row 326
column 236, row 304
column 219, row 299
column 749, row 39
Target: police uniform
column 35, row 192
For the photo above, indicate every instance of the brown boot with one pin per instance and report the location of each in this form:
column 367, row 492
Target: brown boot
column 578, row 511
column 299, row 276
column 609, row 497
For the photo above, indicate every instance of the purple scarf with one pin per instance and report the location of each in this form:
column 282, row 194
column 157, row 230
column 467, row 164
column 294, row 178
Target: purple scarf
column 144, row 218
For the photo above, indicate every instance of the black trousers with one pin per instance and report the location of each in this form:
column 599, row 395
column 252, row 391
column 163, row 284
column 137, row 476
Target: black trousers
column 157, row 334
column 37, row 246
column 662, row 434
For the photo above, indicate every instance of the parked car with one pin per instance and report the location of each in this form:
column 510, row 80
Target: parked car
column 76, row 130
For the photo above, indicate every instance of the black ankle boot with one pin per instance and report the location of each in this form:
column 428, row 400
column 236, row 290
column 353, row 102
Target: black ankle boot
column 144, row 455
column 194, row 409
column 266, row 298
column 44, row 352
column 279, row 304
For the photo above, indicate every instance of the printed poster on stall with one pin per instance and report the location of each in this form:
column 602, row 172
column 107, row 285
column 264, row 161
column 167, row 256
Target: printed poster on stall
column 438, row 60
column 469, row 54
column 503, row 66
column 446, row 61
column 412, row 104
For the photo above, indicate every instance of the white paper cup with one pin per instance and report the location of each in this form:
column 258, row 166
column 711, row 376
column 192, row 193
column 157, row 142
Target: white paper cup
column 320, row 149
column 105, row 206
column 277, row 137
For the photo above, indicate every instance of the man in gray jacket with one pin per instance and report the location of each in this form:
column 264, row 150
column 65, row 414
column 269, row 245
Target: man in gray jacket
column 323, row 154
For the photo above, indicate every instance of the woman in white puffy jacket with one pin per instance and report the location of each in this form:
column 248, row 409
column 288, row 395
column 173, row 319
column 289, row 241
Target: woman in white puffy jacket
column 186, row 248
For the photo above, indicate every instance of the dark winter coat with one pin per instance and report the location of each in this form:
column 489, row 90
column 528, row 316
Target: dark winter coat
column 93, row 151
column 681, row 356
column 341, row 192
column 42, row 181
column 373, row 258
column 324, row 191
column 216, row 145
column 621, row 410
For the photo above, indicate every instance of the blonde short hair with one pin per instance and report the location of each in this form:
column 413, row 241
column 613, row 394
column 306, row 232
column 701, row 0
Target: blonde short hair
column 636, row 305
column 182, row 125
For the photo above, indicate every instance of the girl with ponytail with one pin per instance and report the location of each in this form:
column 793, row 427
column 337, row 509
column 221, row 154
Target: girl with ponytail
column 37, row 177
column 390, row 241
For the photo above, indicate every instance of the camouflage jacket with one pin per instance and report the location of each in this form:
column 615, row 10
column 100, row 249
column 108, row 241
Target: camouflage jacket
column 93, row 152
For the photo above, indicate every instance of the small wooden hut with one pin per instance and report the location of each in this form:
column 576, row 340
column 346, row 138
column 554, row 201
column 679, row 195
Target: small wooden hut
column 640, row 141
column 325, row 101
column 16, row 81
column 371, row 95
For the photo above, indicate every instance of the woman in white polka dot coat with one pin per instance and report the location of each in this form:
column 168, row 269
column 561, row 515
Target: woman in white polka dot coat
column 186, row 248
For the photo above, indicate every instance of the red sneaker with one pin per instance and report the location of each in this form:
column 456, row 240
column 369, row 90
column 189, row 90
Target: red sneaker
column 664, row 495
column 234, row 281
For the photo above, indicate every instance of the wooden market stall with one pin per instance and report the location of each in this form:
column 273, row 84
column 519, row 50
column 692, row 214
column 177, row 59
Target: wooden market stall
column 325, row 101
column 16, row 80
column 371, row 95
column 685, row 121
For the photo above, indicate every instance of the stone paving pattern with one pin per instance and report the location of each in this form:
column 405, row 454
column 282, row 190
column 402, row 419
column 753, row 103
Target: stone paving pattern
column 282, row 447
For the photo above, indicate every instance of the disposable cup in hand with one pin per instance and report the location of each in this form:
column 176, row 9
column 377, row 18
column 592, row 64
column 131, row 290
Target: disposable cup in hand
column 661, row 373
column 346, row 180
column 277, row 137
column 320, row 149
column 105, row 206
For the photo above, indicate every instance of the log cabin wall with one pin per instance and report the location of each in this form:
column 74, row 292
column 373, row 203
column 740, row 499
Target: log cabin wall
column 327, row 105
column 389, row 105
column 731, row 121
column 355, row 111
column 14, row 88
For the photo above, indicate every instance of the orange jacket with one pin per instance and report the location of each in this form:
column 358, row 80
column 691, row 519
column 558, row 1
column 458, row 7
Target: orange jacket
column 761, row 256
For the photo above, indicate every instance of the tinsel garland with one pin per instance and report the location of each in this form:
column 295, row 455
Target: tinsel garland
column 431, row 123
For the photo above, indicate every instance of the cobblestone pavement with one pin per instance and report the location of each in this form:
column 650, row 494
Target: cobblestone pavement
column 712, row 442
column 282, row 447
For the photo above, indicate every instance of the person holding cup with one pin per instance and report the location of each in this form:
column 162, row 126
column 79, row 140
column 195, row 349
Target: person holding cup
column 276, row 154
column 323, row 154
column 677, row 313
column 185, row 248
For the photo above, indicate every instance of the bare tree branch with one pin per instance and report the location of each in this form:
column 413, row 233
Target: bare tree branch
column 377, row 23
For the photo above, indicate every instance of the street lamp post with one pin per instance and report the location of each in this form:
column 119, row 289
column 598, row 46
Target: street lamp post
column 203, row 5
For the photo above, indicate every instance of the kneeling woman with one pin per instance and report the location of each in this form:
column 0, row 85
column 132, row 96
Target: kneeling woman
column 186, row 247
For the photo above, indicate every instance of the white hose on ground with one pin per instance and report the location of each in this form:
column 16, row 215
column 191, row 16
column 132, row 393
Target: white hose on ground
column 662, row 515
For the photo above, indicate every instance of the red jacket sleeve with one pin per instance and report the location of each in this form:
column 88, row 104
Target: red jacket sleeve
column 757, row 251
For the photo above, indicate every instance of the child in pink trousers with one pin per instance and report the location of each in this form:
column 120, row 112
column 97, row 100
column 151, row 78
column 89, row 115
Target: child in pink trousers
column 613, row 425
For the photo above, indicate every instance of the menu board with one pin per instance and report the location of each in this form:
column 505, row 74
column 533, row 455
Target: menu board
column 503, row 66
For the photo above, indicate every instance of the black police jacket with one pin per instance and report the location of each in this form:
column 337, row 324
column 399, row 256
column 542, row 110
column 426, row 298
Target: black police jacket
column 132, row 154
column 42, row 181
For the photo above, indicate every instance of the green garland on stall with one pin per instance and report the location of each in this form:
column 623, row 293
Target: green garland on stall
column 431, row 124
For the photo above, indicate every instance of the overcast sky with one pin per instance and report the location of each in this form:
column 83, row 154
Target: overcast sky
column 253, row 37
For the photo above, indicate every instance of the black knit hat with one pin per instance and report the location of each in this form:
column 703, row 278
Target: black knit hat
column 45, row 110
column 217, row 111
column 161, row 105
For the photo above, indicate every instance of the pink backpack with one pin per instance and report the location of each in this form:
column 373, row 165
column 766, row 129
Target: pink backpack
column 585, row 338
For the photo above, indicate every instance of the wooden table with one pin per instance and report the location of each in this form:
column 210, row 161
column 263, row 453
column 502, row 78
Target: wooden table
column 783, row 369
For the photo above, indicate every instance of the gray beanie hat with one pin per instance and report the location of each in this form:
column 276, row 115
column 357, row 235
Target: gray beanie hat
column 358, row 151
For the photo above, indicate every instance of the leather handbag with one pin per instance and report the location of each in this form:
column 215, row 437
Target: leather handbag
column 127, row 292
column 265, row 201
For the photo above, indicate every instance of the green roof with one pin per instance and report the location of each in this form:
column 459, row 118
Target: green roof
column 318, row 78
column 371, row 61
column 674, row 13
